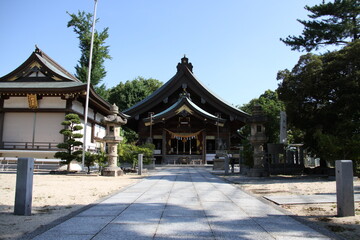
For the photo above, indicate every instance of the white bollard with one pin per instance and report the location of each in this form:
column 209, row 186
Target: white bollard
column 345, row 188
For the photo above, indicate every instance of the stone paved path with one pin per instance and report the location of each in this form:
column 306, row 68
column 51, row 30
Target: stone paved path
column 181, row 203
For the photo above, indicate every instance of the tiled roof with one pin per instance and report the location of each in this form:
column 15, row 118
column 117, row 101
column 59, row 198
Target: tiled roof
column 38, row 85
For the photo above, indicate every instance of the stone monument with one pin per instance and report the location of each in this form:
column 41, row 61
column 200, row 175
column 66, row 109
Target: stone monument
column 112, row 139
column 257, row 140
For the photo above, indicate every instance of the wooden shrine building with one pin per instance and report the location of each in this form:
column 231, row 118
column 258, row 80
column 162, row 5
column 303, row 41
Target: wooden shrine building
column 34, row 99
column 185, row 120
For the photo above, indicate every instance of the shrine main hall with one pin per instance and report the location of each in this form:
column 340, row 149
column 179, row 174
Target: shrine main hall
column 186, row 121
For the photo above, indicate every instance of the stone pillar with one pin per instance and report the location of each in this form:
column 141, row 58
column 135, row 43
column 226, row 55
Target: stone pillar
column 140, row 164
column 113, row 138
column 257, row 140
column 24, row 186
column 345, row 188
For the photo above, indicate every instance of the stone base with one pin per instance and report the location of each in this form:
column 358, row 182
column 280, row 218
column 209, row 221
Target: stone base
column 112, row 172
column 219, row 164
column 257, row 172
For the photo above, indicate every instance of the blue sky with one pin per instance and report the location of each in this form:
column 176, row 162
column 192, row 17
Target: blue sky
column 233, row 45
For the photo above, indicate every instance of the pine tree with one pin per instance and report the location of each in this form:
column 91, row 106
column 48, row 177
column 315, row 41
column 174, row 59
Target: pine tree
column 70, row 133
column 334, row 23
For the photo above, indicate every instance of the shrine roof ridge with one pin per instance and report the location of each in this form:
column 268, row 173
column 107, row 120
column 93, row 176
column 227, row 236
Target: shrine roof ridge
column 184, row 71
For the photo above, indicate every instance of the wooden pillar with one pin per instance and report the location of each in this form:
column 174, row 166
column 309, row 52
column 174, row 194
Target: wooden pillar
column 204, row 147
column 2, row 116
column 163, row 145
column 69, row 104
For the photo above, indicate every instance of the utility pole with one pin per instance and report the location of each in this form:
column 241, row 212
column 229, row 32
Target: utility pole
column 88, row 86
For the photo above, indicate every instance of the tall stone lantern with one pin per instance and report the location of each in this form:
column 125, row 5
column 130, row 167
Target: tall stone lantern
column 257, row 140
column 113, row 138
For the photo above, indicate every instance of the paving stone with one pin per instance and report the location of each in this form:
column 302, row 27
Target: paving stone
column 182, row 211
column 77, row 226
column 127, row 231
column 56, row 236
column 184, row 200
column 183, row 237
column 184, row 226
column 143, row 207
column 181, row 203
column 139, row 217
column 245, row 231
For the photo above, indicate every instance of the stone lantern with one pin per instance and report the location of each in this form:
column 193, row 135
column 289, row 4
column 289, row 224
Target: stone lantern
column 257, row 140
column 113, row 138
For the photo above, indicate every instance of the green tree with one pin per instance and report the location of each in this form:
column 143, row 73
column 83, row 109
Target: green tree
column 82, row 25
column 101, row 160
column 333, row 23
column 321, row 95
column 102, row 91
column 272, row 107
column 89, row 160
column 129, row 153
column 125, row 95
column 71, row 126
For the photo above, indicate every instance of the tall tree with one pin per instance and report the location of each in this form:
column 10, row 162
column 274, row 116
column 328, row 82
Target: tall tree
column 271, row 106
column 82, row 24
column 125, row 95
column 321, row 95
column 71, row 134
column 333, row 23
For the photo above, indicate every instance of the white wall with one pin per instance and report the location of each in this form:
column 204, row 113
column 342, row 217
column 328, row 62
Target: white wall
column 88, row 132
column 45, row 102
column 16, row 102
column 18, row 127
column 48, row 126
column 78, row 107
column 99, row 117
column 100, row 131
column 90, row 113
column 52, row 102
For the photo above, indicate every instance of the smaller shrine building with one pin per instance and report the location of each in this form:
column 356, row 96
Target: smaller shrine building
column 34, row 99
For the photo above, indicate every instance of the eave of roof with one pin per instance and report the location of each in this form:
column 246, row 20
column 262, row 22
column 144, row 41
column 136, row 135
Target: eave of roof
column 174, row 110
column 14, row 83
column 49, row 65
column 168, row 88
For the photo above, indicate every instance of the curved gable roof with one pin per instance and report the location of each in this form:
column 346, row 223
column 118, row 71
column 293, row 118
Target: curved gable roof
column 41, row 75
column 184, row 77
column 184, row 106
column 41, row 65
